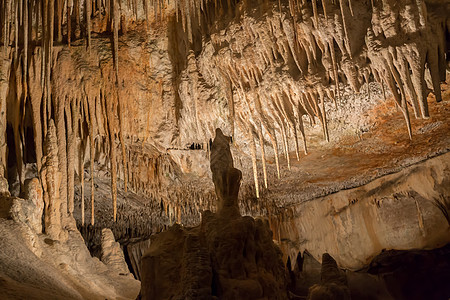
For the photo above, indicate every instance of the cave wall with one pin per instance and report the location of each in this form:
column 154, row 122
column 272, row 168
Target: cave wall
column 135, row 79
column 405, row 210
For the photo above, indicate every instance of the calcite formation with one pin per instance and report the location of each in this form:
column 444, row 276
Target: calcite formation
column 128, row 95
column 227, row 256
column 258, row 69
column 404, row 210
column 112, row 254
column 51, row 180
column 333, row 282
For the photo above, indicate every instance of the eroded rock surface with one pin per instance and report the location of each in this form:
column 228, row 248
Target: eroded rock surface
column 112, row 254
column 404, row 210
column 227, row 256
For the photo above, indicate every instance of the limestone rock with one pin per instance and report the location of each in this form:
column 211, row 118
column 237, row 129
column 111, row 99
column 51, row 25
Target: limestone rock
column 333, row 282
column 225, row 177
column 34, row 194
column 4, row 187
column 51, row 180
column 112, row 254
column 226, row 256
column 355, row 225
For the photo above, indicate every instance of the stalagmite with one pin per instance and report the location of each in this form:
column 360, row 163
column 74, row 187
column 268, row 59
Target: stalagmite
column 51, row 179
column 71, row 127
column 62, row 152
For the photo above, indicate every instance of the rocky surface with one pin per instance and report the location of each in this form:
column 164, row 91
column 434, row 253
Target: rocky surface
column 130, row 93
column 333, row 282
column 227, row 256
column 52, row 261
column 112, row 254
column 404, row 210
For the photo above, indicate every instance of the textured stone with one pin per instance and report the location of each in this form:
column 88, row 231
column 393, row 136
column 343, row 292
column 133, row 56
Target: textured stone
column 51, row 179
column 404, row 210
column 226, row 256
column 112, row 254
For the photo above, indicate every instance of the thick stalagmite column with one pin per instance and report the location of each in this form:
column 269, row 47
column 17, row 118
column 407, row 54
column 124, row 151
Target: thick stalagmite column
column 71, row 138
column 51, row 180
column 62, row 152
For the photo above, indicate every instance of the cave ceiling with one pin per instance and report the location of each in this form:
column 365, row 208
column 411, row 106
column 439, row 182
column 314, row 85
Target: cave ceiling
column 136, row 90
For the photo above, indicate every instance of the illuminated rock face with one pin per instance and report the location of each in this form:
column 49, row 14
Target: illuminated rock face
column 136, row 90
column 173, row 72
column 405, row 210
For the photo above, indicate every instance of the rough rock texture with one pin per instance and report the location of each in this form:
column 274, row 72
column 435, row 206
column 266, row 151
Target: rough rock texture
column 51, row 180
column 128, row 81
column 393, row 274
column 112, row 254
column 27, row 211
column 415, row 274
column 227, row 256
column 136, row 90
column 34, row 193
column 134, row 252
column 404, row 210
column 333, row 282
column 34, row 265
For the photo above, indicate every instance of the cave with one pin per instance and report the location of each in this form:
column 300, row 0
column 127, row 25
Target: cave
column 226, row 149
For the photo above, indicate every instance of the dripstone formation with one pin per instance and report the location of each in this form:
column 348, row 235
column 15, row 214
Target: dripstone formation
column 227, row 256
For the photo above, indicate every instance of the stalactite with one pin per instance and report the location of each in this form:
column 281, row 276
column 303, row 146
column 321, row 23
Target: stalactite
column 263, row 153
column 6, row 15
column 404, row 105
column 25, row 46
column 59, row 15
column 16, row 29
column 44, row 45
column 90, row 116
column 285, row 143
column 113, row 159
column 116, row 20
column 37, row 128
column 324, row 115
column 316, row 14
column 335, row 71
column 69, row 22
column 302, row 131
column 253, row 153
column 88, row 22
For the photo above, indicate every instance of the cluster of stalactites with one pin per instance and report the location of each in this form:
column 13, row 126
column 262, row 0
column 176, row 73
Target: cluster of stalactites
column 331, row 43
